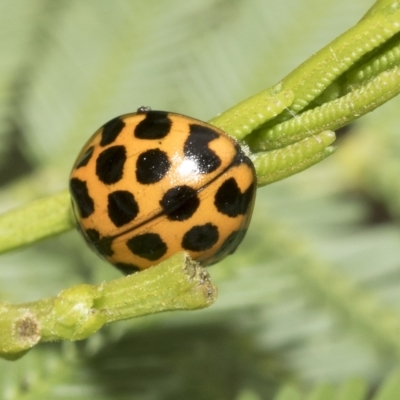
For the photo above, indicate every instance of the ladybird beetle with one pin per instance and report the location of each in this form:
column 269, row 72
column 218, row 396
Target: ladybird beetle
column 149, row 184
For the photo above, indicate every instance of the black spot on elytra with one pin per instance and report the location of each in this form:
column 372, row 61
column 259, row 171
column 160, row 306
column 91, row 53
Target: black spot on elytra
column 86, row 156
column 152, row 166
column 200, row 237
column 122, row 207
column 196, row 148
column 81, row 197
column 111, row 130
column 229, row 245
column 180, row 203
column 110, row 164
column 149, row 246
column 230, row 201
column 101, row 244
column 127, row 268
column 93, row 235
column 156, row 125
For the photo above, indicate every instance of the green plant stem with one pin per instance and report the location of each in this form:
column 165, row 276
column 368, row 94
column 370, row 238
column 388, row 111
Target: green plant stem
column 331, row 115
column 309, row 81
column 248, row 115
column 278, row 164
column 76, row 313
column 43, row 218
column 338, row 56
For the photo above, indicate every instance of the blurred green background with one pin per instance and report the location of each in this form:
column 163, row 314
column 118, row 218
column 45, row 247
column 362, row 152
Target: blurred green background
column 312, row 295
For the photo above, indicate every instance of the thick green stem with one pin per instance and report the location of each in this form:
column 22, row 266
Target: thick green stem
column 46, row 217
column 76, row 313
